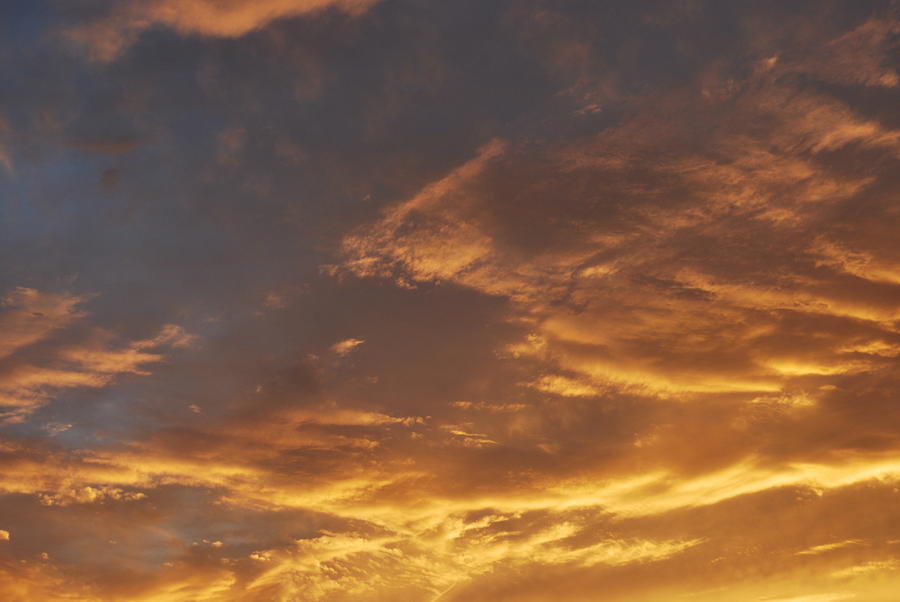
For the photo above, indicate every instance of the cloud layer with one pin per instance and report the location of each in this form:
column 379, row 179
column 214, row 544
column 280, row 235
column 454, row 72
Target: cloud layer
column 471, row 301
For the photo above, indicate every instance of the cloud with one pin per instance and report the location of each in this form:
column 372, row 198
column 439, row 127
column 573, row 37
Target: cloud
column 31, row 316
column 622, row 282
column 345, row 347
column 5, row 159
column 827, row 547
column 34, row 366
column 108, row 36
column 88, row 495
column 859, row 56
column 604, row 302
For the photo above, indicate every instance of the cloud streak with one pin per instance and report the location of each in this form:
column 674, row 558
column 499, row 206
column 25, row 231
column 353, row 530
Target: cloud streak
column 108, row 36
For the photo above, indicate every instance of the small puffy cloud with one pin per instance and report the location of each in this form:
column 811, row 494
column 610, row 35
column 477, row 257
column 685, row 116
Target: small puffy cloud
column 55, row 428
column 564, row 386
column 345, row 347
column 89, row 495
column 172, row 335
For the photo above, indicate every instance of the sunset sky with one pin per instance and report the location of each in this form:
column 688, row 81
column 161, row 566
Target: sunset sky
column 449, row 301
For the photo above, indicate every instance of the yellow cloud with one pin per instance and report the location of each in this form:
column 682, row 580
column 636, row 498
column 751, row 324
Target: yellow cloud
column 345, row 347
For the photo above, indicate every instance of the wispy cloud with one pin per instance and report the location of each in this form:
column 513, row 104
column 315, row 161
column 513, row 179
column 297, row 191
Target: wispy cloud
column 343, row 300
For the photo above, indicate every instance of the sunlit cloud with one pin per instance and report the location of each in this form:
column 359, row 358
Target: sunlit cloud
column 32, row 318
column 348, row 300
column 346, row 346
column 108, row 36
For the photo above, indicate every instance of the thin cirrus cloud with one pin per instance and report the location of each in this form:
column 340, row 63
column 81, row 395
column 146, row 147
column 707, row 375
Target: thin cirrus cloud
column 426, row 301
column 32, row 319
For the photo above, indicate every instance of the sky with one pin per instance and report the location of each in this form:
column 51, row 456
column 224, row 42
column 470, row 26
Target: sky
column 433, row 301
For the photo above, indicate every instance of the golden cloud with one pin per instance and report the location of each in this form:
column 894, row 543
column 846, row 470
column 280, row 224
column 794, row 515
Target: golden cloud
column 107, row 37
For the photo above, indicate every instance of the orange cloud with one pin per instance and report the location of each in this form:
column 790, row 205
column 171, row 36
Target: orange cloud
column 34, row 318
column 107, row 37
column 346, row 346
column 622, row 284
